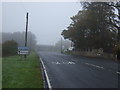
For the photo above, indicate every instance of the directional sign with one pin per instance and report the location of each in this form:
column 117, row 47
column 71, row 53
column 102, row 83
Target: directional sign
column 23, row 50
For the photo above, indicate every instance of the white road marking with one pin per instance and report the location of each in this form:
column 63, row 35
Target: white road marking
column 95, row 65
column 71, row 63
column 57, row 63
column 63, row 63
column 48, row 81
column 118, row 72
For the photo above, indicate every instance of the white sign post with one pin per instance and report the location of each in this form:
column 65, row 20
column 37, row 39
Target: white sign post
column 23, row 50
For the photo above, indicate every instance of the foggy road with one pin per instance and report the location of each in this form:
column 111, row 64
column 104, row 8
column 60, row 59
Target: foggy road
column 67, row 71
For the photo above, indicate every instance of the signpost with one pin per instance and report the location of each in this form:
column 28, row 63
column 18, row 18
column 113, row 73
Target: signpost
column 23, row 50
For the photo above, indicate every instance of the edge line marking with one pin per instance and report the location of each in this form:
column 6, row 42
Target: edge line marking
column 48, row 80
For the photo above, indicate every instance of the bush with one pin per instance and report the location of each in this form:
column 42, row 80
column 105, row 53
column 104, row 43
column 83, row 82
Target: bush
column 9, row 48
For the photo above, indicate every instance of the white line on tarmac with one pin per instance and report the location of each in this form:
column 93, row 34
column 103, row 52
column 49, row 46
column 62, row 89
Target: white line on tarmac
column 118, row 72
column 95, row 65
column 48, row 81
column 71, row 63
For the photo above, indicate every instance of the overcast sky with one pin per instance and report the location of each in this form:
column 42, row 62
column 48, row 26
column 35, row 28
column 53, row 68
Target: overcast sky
column 46, row 20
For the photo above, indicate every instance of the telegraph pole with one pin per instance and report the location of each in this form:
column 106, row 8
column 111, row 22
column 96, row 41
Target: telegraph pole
column 71, row 43
column 26, row 31
column 61, row 45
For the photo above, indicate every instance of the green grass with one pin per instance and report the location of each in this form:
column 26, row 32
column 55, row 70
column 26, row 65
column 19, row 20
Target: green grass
column 21, row 73
column 0, row 73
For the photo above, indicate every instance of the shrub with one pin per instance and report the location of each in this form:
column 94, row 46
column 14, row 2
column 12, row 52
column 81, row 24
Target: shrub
column 9, row 48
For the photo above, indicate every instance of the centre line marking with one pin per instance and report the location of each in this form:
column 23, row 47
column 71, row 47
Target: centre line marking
column 94, row 65
column 71, row 63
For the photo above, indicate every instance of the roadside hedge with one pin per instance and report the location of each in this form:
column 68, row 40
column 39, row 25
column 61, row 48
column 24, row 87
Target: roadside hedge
column 9, row 48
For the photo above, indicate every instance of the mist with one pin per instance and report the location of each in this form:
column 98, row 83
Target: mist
column 46, row 20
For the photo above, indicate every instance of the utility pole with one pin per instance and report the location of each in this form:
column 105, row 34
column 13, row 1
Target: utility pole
column 71, row 43
column 26, row 31
column 61, row 45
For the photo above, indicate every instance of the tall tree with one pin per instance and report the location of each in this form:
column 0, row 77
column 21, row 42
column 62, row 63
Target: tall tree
column 90, row 28
column 115, row 20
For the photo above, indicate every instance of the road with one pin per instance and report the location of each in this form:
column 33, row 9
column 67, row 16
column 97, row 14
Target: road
column 67, row 71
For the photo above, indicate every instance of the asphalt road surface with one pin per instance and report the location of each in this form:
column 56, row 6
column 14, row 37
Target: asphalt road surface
column 67, row 71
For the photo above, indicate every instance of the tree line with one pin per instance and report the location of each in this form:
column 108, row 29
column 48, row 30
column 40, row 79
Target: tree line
column 96, row 26
column 19, row 37
column 10, row 42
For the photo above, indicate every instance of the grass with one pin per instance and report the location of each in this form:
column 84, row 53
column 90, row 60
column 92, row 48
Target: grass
column 0, row 73
column 21, row 73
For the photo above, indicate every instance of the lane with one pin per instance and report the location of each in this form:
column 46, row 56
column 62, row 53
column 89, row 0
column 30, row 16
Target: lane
column 66, row 71
column 108, row 64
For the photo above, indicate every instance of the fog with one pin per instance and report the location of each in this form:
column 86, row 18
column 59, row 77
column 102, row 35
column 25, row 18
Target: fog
column 46, row 20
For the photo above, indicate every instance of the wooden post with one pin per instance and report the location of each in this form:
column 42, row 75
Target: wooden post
column 26, row 32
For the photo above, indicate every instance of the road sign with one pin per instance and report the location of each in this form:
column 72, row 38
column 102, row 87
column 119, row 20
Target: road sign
column 23, row 50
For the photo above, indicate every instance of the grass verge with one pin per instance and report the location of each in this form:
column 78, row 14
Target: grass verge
column 0, row 73
column 18, row 72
